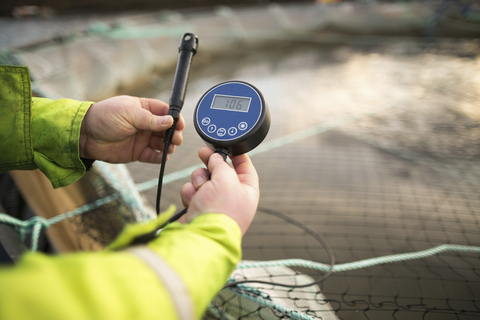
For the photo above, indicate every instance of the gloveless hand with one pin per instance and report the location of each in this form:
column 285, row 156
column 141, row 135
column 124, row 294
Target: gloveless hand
column 124, row 129
column 231, row 191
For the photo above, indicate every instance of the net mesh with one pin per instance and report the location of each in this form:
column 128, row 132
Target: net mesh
column 390, row 167
column 374, row 146
column 398, row 180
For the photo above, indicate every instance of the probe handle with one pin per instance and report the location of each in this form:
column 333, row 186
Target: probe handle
column 188, row 48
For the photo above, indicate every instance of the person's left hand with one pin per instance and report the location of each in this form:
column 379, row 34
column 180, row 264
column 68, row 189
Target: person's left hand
column 231, row 191
column 124, row 129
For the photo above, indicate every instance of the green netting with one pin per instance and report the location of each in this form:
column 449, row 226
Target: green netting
column 374, row 145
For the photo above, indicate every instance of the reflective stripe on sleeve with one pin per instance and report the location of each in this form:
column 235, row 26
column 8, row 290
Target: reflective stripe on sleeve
column 169, row 278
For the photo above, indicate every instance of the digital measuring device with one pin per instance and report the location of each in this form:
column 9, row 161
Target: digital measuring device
column 232, row 118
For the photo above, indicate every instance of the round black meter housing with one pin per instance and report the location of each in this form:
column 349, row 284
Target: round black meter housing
column 232, row 115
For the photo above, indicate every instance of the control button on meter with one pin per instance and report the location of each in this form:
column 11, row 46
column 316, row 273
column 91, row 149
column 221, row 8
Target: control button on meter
column 221, row 132
column 206, row 121
column 242, row 126
column 232, row 131
column 211, row 128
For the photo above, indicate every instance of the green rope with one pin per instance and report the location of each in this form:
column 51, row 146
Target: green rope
column 362, row 263
column 274, row 143
column 253, row 294
column 36, row 224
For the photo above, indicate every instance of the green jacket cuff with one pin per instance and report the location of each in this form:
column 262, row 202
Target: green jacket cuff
column 39, row 133
column 58, row 121
column 131, row 231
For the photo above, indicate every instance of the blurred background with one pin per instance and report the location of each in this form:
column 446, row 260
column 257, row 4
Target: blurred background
column 374, row 144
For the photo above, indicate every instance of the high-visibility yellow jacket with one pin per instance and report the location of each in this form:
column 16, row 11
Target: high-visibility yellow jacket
column 172, row 277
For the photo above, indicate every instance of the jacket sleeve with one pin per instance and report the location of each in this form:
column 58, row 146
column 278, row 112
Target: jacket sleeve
column 39, row 133
column 119, row 285
column 109, row 284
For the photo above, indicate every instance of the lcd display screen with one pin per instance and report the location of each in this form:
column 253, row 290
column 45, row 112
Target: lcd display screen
column 232, row 103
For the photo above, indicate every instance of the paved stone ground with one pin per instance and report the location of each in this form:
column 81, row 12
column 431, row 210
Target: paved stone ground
column 394, row 168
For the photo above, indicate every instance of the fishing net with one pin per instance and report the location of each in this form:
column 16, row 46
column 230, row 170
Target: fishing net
column 373, row 152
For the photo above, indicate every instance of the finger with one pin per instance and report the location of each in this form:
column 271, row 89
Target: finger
column 219, row 169
column 171, row 149
column 155, row 106
column 177, row 138
column 157, row 143
column 246, row 172
column 199, row 177
column 145, row 120
column 160, row 108
column 180, row 123
column 186, row 193
column 204, row 154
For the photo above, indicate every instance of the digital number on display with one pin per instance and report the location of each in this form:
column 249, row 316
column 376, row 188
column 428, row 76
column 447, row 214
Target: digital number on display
column 232, row 103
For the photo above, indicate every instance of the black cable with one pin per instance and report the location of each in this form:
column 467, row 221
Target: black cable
column 160, row 175
column 307, row 230
column 147, row 237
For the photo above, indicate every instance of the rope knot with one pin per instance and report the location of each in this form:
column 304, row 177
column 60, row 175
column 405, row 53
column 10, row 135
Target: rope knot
column 34, row 226
column 36, row 221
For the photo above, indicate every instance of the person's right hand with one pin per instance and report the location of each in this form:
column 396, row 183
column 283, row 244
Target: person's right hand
column 124, row 129
column 231, row 191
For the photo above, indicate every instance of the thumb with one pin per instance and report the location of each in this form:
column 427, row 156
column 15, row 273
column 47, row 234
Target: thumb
column 218, row 167
column 145, row 120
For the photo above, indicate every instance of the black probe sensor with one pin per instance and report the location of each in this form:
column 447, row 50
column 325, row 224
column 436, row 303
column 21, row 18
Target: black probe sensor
column 187, row 49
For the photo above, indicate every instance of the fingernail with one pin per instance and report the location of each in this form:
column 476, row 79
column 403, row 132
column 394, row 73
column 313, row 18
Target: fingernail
column 218, row 155
column 165, row 120
column 198, row 181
